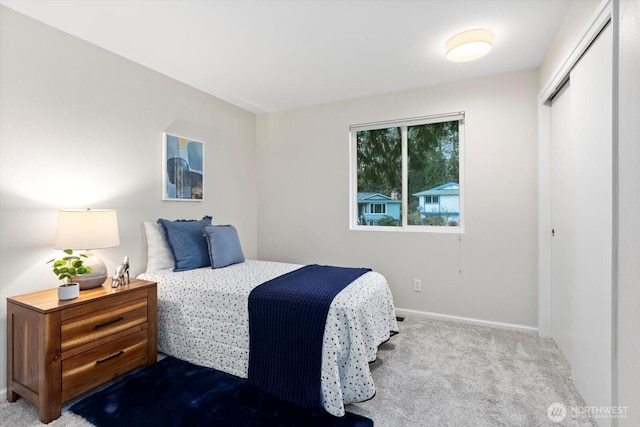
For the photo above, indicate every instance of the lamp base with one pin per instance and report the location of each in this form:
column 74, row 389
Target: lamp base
column 98, row 273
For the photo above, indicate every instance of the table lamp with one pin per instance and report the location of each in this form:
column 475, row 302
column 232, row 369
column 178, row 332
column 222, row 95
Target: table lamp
column 88, row 229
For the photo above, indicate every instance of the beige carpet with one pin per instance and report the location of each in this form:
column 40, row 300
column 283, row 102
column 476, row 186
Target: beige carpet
column 437, row 373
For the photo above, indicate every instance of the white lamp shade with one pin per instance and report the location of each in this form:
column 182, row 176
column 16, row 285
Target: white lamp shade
column 469, row 45
column 87, row 229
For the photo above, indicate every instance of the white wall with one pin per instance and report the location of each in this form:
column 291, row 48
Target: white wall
column 303, row 184
column 81, row 127
column 628, row 348
column 567, row 37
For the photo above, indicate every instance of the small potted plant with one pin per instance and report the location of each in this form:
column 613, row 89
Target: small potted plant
column 66, row 269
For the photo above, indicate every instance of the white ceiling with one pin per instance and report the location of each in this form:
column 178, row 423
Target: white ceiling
column 276, row 55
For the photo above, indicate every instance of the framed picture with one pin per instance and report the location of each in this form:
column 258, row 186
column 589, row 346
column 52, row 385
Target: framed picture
column 182, row 168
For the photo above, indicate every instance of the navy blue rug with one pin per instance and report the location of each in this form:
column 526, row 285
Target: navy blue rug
column 176, row 393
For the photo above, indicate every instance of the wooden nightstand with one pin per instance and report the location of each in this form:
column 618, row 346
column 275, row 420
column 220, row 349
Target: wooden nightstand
column 57, row 350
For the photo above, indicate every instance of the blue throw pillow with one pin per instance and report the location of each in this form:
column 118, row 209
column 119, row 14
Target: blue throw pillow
column 185, row 240
column 224, row 245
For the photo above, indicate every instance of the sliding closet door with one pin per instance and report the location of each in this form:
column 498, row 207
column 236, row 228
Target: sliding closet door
column 561, row 193
column 591, row 113
column 582, row 220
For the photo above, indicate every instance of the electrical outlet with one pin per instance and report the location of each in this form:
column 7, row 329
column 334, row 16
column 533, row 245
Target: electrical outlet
column 417, row 285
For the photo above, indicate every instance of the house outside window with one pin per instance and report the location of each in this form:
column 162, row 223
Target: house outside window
column 406, row 175
column 445, row 203
column 375, row 209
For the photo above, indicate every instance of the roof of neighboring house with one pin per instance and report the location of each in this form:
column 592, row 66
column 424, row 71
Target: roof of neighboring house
column 450, row 188
column 376, row 197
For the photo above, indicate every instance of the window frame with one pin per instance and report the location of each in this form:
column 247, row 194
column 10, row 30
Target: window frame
column 431, row 200
column 404, row 124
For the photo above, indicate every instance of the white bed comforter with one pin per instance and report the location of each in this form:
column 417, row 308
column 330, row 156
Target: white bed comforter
column 203, row 318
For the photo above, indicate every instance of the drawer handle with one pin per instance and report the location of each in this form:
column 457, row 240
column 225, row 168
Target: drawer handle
column 113, row 356
column 102, row 325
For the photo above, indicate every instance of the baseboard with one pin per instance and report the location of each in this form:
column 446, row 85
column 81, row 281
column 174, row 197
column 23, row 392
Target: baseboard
column 3, row 394
column 471, row 321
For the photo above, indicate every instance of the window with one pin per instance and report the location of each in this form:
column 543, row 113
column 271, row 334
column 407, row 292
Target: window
column 406, row 174
column 378, row 208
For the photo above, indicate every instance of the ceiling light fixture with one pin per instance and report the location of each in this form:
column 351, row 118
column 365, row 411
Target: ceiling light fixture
column 469, row 45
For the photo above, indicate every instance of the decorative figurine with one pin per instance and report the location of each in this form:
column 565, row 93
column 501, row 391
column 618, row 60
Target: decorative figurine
column 122, row 270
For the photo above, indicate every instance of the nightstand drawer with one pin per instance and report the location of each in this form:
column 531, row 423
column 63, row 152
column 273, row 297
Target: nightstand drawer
column 94, row 367
column 90, row 327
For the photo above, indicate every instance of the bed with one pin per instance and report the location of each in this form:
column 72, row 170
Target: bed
column 203, row 318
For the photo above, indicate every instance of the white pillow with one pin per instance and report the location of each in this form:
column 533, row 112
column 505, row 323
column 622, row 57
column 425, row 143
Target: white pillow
column 158, row 254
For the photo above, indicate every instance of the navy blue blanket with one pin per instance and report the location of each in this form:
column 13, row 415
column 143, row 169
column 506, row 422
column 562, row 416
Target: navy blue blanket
column 287, row 317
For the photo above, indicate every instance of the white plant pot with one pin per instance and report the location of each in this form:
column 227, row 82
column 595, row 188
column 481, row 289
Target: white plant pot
column 68, row 291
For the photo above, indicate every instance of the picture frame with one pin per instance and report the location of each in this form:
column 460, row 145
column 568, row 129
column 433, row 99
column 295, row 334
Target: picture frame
column 182, row 168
